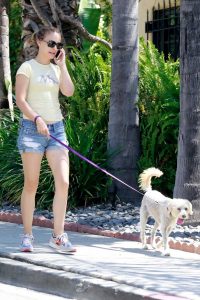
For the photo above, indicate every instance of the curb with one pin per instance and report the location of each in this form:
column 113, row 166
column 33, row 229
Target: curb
column 41, row 221
column 80, row 287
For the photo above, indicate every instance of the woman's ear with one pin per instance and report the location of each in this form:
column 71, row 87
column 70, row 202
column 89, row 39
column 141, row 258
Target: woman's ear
column 38, row 43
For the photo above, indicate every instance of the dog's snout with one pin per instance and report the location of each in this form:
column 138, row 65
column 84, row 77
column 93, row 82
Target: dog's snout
column 184, row 216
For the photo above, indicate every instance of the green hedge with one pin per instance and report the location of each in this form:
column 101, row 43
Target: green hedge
column 159, row 113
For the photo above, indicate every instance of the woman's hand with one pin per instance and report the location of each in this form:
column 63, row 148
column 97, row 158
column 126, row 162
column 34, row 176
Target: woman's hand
column 42, row 126
column 60, row 60
column 66, row 84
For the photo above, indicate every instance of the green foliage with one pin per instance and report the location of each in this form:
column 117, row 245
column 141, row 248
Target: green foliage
column 86, row 119
column 10, row 162
column 87, row 183
column 106, row 18
column 86, row 124
column 15, row 28
column 159, row 113
column 91, row 74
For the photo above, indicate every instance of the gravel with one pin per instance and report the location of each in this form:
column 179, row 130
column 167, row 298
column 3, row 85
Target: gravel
column 123, row 218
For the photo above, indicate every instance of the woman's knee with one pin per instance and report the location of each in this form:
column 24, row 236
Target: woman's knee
column 31, row 185
column 62, row 184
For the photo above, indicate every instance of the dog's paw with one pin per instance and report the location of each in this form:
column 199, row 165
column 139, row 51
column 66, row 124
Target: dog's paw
column 154, row 246
column 166, row 253
column 145, row 247
column 159, row 244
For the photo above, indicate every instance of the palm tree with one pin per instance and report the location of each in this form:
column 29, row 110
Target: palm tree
column 123, row 127
column 5, row 77
column 36, row 13
column 59, row 13
column 3, row 96
column 187, row 183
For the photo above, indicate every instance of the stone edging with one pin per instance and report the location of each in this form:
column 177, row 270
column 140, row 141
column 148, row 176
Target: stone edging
column 41, row 221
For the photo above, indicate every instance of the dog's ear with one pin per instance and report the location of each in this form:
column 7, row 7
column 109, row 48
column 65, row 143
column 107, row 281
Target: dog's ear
column 190, row 208
column 169, row 209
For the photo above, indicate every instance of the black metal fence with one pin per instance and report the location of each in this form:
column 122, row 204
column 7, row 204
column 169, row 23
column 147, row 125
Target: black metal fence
column 165, row 27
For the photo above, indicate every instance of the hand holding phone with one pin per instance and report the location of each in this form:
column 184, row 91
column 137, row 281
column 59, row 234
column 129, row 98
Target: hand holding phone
column 57, row 54
column 59, row 58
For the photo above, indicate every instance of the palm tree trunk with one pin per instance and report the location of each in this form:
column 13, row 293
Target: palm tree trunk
column 123, row 127
column 3, row 96
column 5, row 74
column 187, row 183
column 6, row 59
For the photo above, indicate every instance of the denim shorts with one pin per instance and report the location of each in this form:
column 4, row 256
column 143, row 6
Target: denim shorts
column 29, row 140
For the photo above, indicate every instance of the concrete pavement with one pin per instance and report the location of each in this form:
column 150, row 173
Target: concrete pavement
column 103, row 268
column 20, row 293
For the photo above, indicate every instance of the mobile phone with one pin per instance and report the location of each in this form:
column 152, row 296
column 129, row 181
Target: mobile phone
column 57, row 54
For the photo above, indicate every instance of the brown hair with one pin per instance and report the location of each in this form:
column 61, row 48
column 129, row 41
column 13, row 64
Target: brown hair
column 43, row 31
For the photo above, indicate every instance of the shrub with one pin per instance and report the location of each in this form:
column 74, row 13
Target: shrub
column 11, row 176
column 159, row 113
column 15, row 28
column 86, row 125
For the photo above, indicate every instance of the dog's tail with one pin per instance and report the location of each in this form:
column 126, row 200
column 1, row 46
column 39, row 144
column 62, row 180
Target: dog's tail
column 145, row 178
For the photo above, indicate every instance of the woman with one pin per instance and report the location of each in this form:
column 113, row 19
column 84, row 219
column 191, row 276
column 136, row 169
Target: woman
column 38, row 82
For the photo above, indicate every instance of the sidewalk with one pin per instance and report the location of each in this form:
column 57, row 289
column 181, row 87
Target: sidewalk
column 103, row 268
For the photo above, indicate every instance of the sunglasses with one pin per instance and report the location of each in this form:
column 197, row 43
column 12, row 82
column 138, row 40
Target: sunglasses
column 52, row 44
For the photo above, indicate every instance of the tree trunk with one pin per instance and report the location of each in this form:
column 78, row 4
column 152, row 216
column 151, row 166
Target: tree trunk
column 123, row 127
column 6, row 58
column 43, row 12
column 3, row 94
column 187, row 183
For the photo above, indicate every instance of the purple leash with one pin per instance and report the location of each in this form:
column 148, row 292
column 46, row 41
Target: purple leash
column 93, row 164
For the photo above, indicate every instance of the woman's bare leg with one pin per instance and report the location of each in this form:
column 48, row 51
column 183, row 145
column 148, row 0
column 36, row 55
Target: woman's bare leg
column 31, row 165
column 59, row 163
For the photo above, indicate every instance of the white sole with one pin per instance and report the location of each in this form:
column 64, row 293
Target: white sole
column 26, row 250
column 54, row 246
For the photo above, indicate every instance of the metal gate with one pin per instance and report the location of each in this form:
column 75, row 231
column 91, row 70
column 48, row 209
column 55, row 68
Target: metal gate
column 165, row 28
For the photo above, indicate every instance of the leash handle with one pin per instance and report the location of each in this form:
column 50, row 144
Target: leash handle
column 93, row 164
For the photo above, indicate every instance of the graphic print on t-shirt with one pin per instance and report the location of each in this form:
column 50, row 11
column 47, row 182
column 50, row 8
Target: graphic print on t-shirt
column 47, row 79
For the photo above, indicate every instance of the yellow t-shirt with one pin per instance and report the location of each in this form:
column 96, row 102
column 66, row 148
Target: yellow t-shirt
column 43, row 89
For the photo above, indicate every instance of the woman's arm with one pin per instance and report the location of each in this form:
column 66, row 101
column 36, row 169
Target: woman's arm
column 66, row 84
column 21, row 88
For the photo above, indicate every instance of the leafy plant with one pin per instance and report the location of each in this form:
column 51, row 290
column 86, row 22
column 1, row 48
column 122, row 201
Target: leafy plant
column 86, row 124
column 159, row 113
column 11, row 175
column 106, row 18
column 87, row 183
column 15, row 28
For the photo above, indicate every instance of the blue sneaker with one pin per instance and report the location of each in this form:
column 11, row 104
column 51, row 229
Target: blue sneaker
column 62, row 243
column 27, row 243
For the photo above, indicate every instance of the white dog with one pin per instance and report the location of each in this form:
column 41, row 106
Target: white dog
column 165, row 211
